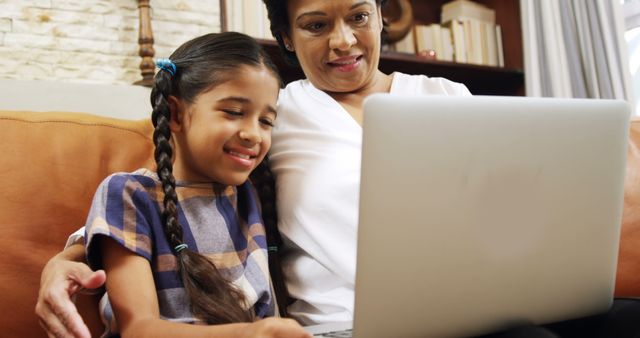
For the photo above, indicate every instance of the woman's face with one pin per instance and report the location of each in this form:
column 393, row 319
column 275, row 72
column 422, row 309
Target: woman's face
column 337, row 42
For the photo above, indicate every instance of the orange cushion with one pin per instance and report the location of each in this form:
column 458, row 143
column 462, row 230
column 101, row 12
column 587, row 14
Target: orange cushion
column 628, row 279
column 50, row 166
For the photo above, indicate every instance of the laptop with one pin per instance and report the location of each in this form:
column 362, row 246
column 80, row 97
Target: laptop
column 479, row 214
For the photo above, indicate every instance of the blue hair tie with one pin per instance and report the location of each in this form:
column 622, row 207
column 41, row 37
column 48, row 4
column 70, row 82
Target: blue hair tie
column 180, row 247
column 166, row 65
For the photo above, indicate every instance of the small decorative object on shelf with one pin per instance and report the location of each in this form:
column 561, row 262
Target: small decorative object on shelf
column 398, row 28
column 428, row 54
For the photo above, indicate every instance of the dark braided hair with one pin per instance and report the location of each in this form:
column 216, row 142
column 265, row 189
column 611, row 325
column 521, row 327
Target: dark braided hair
column 201, row 64
column 279, row 25
column 263, row 180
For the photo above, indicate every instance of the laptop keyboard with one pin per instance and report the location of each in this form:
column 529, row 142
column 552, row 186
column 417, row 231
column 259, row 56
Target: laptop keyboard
column 337, row 334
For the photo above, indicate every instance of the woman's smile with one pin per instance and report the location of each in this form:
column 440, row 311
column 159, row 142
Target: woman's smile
column 346, row 64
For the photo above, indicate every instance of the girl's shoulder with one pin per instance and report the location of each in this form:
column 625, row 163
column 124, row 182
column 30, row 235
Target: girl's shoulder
column 141, row 174
column 123, row 182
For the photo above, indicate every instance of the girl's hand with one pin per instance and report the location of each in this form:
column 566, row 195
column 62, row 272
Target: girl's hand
column 275, row 328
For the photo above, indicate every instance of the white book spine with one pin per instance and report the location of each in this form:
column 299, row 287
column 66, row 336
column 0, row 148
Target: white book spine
column 476, row 41
column 499, row 48
column 436, row 37
column 447, row 44
column 459, row 43
column 491, row 45
column 406, row 44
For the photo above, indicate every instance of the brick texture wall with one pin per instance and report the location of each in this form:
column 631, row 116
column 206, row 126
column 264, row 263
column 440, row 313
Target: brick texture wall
column 92, row 40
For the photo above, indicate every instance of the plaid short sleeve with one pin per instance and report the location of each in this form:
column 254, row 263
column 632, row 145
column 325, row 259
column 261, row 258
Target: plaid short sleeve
column 123, row 209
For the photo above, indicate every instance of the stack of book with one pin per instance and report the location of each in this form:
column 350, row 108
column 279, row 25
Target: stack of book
column 467, row 33
column 249, row 17
column 476, row 37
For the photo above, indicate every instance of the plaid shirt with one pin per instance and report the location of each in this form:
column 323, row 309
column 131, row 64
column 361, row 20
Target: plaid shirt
column 221, row 222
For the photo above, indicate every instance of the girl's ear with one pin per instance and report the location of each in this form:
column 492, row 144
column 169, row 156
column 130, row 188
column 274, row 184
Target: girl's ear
column 176, row 107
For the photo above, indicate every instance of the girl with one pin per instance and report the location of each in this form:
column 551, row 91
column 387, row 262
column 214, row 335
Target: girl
column 186, row 243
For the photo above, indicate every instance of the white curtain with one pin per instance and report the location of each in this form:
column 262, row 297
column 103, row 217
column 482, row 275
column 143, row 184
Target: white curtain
column 575, row 48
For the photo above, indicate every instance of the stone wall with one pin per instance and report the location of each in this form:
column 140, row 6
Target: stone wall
column 92, row 40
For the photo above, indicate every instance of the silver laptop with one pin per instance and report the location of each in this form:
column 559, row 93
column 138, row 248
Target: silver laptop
column 482, row 213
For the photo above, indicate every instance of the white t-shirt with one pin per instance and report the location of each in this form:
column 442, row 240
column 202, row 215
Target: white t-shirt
column 315, row 157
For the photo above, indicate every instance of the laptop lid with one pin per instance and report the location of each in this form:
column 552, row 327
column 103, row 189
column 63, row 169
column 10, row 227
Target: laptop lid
column 480, row 213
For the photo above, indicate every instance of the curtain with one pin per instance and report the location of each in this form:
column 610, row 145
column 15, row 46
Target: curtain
column 575, row 48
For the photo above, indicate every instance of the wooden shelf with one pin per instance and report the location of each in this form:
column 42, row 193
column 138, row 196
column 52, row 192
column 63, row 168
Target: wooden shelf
column 481, row 80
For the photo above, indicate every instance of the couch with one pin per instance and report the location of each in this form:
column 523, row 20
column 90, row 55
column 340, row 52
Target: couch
column 52, row 162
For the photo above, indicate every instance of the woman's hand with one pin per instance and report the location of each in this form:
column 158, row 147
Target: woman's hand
column 61, row 279
column 275, row 327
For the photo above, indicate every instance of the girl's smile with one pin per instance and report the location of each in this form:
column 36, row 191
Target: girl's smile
column 245, row 158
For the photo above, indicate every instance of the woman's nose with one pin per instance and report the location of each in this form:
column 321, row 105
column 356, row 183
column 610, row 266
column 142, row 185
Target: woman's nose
column 342, row 37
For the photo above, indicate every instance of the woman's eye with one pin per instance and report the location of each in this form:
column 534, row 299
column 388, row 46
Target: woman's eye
column 361, row 18
column 314, row 27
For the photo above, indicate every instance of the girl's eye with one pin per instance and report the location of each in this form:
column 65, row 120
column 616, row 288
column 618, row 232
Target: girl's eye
column 361, row 18
column 314, row 27
column 266, row 122
column 232, row 112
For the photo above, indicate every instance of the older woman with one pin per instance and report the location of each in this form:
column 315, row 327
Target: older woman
column 315, row 156
column 316, row 146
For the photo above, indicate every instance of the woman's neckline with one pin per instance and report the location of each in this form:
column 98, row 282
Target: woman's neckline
column 353, row 99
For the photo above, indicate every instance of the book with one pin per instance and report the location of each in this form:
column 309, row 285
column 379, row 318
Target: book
column 466, row 9
column 499, row 48
column 474, row 41
column 447, row 44
column 406, row 44
column 424, row 39
column 436, row 36
column 490, row 45
column 458, row 40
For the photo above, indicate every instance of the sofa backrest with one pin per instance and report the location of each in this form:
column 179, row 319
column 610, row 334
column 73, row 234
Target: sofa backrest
column 120, row 101
column 628, row 277
column 52, row 163
column 50, row 167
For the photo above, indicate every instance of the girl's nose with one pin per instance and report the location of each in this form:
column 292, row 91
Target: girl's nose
column 250, row 134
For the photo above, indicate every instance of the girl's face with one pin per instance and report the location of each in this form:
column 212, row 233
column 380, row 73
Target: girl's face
column 337, row 42
column 226, row 132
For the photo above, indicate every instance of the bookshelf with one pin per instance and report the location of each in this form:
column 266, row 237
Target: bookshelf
column 481, row 80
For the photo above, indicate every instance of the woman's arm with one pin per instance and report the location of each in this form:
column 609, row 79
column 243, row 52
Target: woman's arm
column 62, row 277
column 133, row 297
